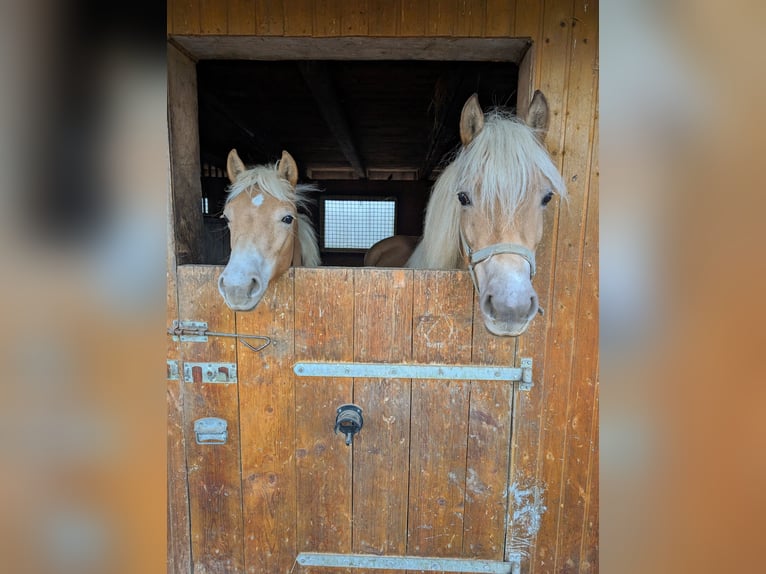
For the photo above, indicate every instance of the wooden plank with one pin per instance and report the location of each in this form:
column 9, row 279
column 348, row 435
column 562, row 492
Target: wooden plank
column 414, row 18
column 383, row 17
column 500, row 18
column 489, row 437
column 590, row 546
column 528, row 19
column 382, row 332
column 441, row 15
column 213, row 17
column 327, row 17
column 363, row 48
column 241, row 17
column 438, row 486
column 215, row 491
column 184, row 153
column 324, row 331
column 269, row 18
column 178, row 531
column 469, row 20
column 578, row 448
column 268, row 432
column 299, row 17
column 186, row 17
column 576, row 108
column 355, row 18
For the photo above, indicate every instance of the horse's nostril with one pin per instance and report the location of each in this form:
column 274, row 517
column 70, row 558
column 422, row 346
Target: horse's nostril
column 254, row 287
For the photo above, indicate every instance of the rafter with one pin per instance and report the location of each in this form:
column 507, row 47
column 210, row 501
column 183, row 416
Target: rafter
column 317, row 77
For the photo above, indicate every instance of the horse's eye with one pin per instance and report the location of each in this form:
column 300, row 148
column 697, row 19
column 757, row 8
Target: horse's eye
column 463, row 198
column 547, row 198
column 287, row 219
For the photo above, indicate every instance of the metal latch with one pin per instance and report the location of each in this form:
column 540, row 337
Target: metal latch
column 211, row 430
column 197, row 332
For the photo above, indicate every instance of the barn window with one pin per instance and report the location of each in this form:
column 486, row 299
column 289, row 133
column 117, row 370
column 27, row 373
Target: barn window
column 356, row 223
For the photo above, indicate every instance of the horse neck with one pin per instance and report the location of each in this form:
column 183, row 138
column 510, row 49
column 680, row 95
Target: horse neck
column 306, row 249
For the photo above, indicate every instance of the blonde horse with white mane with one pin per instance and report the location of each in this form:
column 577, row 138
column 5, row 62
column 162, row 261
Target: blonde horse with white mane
column 486, row 213
column 268, row 235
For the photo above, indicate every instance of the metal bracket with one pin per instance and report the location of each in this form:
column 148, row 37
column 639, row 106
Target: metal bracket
column 522, row 374
column 526, row 383
column 211, row 430
column 370, row 561
column 173, row 370
column 210, row 372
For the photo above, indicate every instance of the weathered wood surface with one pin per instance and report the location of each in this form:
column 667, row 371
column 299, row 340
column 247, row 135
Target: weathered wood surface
column 213, row 471
column 324, row 330
column 267, row 418
column 382, row 333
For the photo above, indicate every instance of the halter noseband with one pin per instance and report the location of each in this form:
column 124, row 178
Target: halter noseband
column 475, row 257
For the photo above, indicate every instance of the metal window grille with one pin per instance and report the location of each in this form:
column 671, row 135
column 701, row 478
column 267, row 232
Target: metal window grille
column 357, row 223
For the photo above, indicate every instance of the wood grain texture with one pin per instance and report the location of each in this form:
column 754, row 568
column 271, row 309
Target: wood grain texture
column 383, row 17
column 213, row 16
column 186, row 17
column 215, row 493
column 489, row 438
column 578, row 449
column 241, row 17
column 442, row 319
column 355, row 18
column 299, row 17
column 441, row 17
column 324, row 322
column 178, row 536
column 382, row 333
column 413, row 18
column 589, row 560
column 270, row 18
column 327, row 17
column 500, row 18
column 576, row 122
column 267, row 416
column 470, row 18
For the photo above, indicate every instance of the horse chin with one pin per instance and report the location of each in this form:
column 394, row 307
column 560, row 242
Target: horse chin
column 504, row 329
column 240, row 307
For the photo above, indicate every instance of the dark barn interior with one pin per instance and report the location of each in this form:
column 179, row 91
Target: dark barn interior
column 361, row 129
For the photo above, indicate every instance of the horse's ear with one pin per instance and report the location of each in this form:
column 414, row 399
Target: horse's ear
column 471, row 120
column 288, row 169
column 537, row 115
column 234, row 166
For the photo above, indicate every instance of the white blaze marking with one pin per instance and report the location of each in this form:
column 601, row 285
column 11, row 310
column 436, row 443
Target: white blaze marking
column 258, row 199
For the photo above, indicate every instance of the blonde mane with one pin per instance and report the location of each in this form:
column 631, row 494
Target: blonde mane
column 267, row 180
column 500, row 163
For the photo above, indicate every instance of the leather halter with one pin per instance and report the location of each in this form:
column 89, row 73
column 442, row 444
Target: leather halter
column 475, row 257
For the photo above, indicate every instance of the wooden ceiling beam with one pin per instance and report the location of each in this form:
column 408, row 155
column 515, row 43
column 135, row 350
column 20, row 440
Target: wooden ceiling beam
column 317, row 77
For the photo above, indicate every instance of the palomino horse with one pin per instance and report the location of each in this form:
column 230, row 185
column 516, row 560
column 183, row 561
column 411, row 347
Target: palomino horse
column 486, row 213
column 268, row 235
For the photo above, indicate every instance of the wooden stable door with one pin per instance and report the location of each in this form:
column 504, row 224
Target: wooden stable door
column 429, row 474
